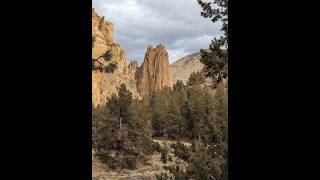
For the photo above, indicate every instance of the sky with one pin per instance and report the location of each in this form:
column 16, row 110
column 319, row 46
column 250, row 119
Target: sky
column 175, row 23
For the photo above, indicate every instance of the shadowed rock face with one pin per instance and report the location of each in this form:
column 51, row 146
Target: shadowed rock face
column 155, row 72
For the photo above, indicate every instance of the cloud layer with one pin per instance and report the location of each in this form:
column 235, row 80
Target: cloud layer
column 177, row 24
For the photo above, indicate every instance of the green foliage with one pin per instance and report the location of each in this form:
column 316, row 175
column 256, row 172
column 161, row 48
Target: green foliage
column 176, row 172
column 162, row 176
column 164, row 113
column 181, row 151
column 156, row 147
column 113, row 105
column 164, row 153
column 106, row 56
column 102, row 129
column 196, row 78
column 200, row 163
column 139, row 130
column 121, row 130
column 215, row 58
column 204, row 120
column 183, row 112
column 178, row 86
column 125, row 98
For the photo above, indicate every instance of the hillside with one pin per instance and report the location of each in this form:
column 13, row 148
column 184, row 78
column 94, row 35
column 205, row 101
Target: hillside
column 183, row 67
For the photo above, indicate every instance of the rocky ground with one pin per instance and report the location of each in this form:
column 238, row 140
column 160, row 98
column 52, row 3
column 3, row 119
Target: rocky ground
column 101, row 172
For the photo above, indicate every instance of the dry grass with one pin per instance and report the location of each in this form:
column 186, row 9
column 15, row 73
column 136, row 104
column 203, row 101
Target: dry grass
column 143, row 172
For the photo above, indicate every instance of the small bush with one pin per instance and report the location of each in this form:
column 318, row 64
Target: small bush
column 162, row 176
column 164, row 154
column 156, row 147
column 182, row 151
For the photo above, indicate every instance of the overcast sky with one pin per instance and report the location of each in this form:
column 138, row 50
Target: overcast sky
column 175, row 23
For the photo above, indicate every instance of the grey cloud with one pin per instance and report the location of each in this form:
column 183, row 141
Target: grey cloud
column 177, row 24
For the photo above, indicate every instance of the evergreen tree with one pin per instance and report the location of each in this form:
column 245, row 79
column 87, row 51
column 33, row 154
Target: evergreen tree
column 181, row 99
column 113, row 105
column 103, row 126
column 160, row 105
column 187, row 119
column 220, row 114
column 122, row 127
column 125, row 98
column 196, row 78
column 98, row 65
column 99, row 118
column 220, row 117
column 200, row 163
column 178, row 86
column 215, row 58
column 139, row 127
column 173, row 119
column 196, row 106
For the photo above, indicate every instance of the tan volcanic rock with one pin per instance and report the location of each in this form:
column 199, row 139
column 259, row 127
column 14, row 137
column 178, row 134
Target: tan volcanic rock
column 103, row 29
column 102, row 33
column 155, row 72
column 132, row 68
column 105, row 84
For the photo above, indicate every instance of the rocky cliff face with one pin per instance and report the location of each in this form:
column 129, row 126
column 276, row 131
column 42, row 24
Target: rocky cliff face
column 102, row 35
column 105, row 84
column 155, row 72
column 132, row 69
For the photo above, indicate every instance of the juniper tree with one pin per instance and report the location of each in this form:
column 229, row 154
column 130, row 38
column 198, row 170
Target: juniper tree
column 196, row 78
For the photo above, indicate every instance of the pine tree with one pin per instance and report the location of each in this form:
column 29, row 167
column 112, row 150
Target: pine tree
column 220, row 117
column 196, row 112
column 160, row 105
column 220, row 114
column 113, row 105
column 125, row 97
column 196, row 78
column 178, row 86
column 173, row 119
column 215, row 58
column 138, row 127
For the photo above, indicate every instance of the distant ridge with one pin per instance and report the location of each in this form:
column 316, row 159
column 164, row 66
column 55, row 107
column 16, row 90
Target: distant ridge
column 183, row 67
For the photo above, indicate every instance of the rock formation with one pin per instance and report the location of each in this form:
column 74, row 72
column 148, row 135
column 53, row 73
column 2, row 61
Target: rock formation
column 132, row 69
column 102, row 35
column 155, row 72
column 105, row 84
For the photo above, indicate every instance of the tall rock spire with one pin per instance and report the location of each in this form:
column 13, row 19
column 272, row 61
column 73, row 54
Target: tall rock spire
column 155, row 72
